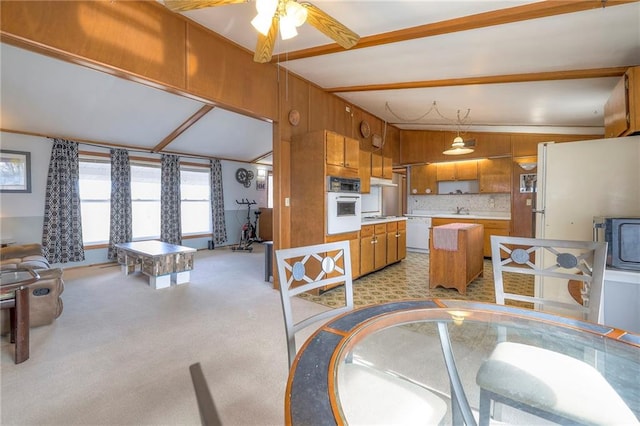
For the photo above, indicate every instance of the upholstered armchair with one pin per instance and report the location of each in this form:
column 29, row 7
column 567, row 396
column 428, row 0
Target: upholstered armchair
column 45, row 303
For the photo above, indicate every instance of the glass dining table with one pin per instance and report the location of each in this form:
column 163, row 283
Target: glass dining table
column 426, row 361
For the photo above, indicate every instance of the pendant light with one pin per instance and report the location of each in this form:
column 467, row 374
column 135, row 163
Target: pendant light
column 457, row 147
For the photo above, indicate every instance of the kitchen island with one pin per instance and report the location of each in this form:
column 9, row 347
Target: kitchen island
column 494, row 223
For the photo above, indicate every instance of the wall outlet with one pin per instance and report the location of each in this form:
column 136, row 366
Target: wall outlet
column 528, row 202
column 287, row 202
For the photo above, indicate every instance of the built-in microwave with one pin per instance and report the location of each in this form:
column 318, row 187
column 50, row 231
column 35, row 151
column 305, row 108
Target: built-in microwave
column 623, row 237
column 340, row 184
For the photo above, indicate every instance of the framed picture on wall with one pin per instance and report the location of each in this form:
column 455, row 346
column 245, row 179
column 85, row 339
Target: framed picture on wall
column 528, row 182
column 15, row 171
column 261, row 184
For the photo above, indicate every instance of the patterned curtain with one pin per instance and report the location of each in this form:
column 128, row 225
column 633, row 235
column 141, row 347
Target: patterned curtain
column 170, row 224
column 62, row 230
column 120, row 229
column 217, row 204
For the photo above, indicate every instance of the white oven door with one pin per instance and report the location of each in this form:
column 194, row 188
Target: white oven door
column 343, row 212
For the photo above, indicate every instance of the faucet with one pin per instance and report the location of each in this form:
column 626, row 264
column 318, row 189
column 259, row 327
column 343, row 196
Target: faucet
column 461, row 210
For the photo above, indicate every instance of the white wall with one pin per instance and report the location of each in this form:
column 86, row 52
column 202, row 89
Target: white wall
column 21, row 214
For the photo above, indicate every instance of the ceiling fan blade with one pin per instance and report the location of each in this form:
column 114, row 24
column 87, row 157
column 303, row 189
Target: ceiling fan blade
column 264, row 47
column 330, row 27
column 184, row 5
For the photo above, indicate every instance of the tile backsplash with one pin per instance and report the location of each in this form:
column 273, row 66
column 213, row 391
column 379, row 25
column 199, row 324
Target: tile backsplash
column 476, row 203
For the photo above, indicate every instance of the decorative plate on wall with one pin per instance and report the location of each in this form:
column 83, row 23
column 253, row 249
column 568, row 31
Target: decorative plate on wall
column 294, row 117
column 365, row 130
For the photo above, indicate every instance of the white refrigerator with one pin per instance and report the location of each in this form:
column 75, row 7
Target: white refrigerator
column 580, row 180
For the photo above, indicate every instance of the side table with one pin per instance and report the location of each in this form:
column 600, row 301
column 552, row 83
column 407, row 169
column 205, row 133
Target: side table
column 17, row 282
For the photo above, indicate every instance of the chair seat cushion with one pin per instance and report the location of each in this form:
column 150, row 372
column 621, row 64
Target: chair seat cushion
column 538, row 377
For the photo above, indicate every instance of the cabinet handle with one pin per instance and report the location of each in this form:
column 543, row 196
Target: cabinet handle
column 397, row 235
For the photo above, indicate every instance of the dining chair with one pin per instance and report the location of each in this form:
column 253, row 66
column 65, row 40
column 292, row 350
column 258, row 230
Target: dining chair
column 556, row 265
column 307, row 268
column 207, row 408
column 535, row 380
column 374, row 396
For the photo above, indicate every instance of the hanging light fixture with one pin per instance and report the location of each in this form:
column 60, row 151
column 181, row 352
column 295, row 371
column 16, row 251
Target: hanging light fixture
column 458, row 147
column 266, row 9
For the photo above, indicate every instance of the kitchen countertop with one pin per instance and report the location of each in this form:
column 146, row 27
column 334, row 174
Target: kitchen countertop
column 382, row 219
column 471, row 215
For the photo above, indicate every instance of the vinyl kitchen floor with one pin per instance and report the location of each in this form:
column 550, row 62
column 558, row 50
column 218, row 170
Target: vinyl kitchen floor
column 409, row 279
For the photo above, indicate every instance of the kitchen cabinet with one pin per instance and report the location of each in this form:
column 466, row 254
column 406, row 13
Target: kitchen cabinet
column 382, row 244
column 354, row 249
column 495, row 175
column 622, row 110
column 458, row 170
column 491, row 227
column 396, row 241
column 421, row 146
column 423, row 180
column 490, row 144
column 367, row 249
column 381, row 166
column 365, row 172
column 342, row 155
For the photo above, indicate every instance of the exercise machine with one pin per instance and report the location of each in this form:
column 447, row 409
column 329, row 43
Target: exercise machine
column 248, row 230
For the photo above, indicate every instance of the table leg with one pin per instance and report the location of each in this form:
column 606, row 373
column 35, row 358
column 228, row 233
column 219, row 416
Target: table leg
column 181, row 277
column 161, row 281
column 22, row 325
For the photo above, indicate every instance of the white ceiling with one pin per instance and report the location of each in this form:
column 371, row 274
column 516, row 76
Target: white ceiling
column 50, row 97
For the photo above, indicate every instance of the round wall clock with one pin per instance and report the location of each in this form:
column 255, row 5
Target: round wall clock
column 294, row 117
column 365, row 130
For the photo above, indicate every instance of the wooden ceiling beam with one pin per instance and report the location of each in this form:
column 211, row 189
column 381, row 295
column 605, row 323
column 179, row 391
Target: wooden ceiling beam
column 480, row 20
column 183, row 127
column 494, row 79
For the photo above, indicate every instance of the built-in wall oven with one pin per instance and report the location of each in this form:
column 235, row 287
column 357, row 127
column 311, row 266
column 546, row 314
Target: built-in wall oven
column 344, row 205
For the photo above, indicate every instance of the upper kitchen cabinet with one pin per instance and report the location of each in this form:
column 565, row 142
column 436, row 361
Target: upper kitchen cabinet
column 622, row 110
column 342, row 155
column 423, row 180
column 381, row 165
column 421, row 146
column 459, row 170
column 495, row 175
column 365, row 171
column 490, row 144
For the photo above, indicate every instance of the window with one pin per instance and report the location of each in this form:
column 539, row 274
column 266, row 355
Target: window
column 270, row 190
column 196, row 201
column 145, row 201
column 95, row 200
column 95, row 195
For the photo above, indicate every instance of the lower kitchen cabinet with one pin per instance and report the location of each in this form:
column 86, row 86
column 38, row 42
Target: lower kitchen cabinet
column 396, row 241
column 491, row 227
column 354, row 246
column 382, row 244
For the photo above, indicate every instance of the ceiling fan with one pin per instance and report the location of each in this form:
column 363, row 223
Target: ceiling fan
column 284, row 15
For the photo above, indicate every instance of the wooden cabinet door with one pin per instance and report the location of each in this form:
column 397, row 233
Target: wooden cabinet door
column 351, row 153
column 495, row 175
column 423, row 180
column 366, row 249
column 387, row 167
column 392, row 243
column 376, row 164
column 467, row 170
column 402, row 244
column 364, row 171
column 445, row 171
column 335, row 149
column 616, row 119
column 354, row 250
column 380, row 249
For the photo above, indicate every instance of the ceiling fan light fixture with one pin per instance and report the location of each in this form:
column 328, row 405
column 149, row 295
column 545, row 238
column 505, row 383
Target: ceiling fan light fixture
column 296, row 12
column 287, row 28
column 262, row 23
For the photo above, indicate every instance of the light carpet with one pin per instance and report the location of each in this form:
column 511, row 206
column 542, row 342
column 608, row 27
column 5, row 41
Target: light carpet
column 120, row 352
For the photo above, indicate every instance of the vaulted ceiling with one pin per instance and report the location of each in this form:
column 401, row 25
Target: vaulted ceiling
column 541, row 67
